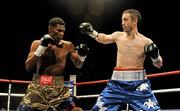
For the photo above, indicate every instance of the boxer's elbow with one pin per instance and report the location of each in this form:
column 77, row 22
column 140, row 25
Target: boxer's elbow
column 27, row 67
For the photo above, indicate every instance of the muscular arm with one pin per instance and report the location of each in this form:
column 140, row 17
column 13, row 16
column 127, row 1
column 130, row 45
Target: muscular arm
column 75, row 58
column 32, row 59
column 105, row 39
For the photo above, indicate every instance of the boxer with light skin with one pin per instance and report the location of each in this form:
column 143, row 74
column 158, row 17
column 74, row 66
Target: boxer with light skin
column 128, row 83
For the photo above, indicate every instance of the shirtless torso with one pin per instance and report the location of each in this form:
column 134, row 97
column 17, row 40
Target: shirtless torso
column 53, row 61
column 132, row 48
column 130, row 53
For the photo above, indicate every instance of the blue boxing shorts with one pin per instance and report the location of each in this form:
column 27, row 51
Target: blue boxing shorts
column 129, row 87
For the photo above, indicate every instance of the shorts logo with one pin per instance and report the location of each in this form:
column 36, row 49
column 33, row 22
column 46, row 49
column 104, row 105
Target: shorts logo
column 143, row 87
column 46, row 80
column 149, row 103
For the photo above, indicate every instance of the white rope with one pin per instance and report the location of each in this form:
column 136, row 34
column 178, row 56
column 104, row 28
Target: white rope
column 88, row 96
column 155, row 91
column 96, row 95
column 12, row 94
column 167, row 90
column 9, row 94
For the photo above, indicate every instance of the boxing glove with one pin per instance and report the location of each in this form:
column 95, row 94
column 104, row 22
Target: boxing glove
column 82, row 51
column 47, row 39
column 87, row 28
column 153, row 51
column 43, row 45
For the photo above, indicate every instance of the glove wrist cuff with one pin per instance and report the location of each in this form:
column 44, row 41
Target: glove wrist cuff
column 94, row 34
column 40, row 50
column 156, row 59
column 82, row 58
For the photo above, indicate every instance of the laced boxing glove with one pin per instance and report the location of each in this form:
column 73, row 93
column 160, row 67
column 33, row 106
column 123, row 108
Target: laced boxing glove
column 153, row 51
column 82, row 51
column 44, row 41
column 87, row 28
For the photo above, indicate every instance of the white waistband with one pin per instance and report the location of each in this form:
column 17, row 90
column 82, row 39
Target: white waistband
column 128, row 75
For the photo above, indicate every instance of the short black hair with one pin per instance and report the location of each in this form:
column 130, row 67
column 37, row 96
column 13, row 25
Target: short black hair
column 56, row 20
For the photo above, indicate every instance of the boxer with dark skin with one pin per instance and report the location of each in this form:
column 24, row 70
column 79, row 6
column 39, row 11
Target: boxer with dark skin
column 48, row 56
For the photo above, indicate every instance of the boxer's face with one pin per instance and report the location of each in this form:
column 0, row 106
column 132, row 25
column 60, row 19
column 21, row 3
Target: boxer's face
column 127, row 22
column 57, row 32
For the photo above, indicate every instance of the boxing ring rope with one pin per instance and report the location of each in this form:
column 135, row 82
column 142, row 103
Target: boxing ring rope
column 154, row 91
column 148, row 76
column 73, row 78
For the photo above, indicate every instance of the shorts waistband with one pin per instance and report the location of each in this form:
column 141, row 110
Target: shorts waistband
column 129, row 75
column 127, row 69
column 37, row 77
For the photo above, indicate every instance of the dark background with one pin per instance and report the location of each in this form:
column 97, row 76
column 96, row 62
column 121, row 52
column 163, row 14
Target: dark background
column 23, row 21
